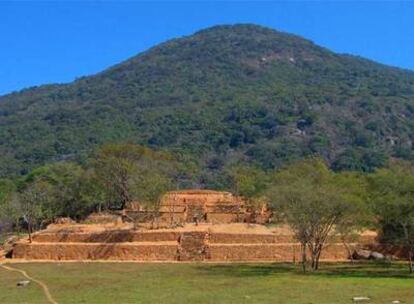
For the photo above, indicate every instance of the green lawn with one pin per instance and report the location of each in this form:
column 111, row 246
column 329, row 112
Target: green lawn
column 207, row 283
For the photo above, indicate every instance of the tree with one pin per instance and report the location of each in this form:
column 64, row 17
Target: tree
column 73, row 190
column 30, row 203
column 132, row 173
column 392, row 196
column 352, row 223
column 310, row 198
column 250, row 183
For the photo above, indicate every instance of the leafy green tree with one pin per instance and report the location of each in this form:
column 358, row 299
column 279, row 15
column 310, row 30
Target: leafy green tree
column 353, row 223
column 73, row 191
column 392, row 196
column 248, row 181
column 128, row 173
column 311, row 199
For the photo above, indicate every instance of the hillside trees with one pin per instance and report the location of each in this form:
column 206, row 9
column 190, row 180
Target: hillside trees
column 313, row 201
column 7, row 193
column 229, row 93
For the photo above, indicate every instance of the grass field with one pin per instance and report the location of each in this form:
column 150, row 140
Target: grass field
column 207, row 283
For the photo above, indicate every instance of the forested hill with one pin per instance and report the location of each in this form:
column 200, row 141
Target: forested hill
column 223, row 95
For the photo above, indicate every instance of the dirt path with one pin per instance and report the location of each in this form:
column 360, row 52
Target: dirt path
column 43, row 285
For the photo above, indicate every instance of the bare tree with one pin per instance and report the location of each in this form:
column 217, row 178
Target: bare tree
column 30, row 202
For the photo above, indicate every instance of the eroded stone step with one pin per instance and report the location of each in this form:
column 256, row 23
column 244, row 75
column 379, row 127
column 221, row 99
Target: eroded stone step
column 108, row 237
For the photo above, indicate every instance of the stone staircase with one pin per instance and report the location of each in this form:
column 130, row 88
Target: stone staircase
column 193, row 246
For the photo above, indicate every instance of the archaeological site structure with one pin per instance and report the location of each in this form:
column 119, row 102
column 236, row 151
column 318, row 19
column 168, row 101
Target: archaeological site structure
column 192, row 225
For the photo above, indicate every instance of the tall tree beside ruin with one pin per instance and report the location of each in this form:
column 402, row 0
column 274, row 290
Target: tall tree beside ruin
column 248, row 181
column 30, row 204
column 129, row 172
column 351, row 225
column 308, row 196
column 392, row 196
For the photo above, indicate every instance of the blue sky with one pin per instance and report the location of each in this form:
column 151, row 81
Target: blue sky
column 54, row 42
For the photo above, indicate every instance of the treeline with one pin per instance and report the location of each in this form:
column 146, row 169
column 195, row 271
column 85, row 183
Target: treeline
column 315, row 201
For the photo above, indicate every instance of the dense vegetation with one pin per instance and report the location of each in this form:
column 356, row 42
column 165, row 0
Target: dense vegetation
column 222, row 96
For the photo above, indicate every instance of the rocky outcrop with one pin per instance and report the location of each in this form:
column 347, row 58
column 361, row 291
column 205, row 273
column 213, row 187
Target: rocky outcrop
column 6, row 250
column 364, row 254
column 361, row 254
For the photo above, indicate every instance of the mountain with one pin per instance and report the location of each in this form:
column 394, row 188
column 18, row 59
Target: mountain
column 226, row 94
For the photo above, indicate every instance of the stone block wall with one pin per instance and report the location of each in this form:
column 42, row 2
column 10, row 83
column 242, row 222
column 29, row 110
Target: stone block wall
column 224, row 218
column 162, row 251
column 178, row 245
column 193, row 246
column 202, row 205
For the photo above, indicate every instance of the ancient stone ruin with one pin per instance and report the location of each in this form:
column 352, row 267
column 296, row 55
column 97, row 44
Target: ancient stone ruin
column 199, row 206
column 199, row 225
column 237, row 242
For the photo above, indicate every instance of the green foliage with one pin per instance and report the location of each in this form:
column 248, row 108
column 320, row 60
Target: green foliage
column 392, row 196
column 248, row 182
column 360, row 159
column 112, row 176
column 72, row 189
column 230, row 93
column 132, row 173
column 7, row 193
column 31, row 202
column 314, row 201
column 7, row 188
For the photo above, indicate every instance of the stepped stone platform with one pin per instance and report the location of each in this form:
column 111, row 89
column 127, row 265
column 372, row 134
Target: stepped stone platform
column 236, row 242
column 202, row 206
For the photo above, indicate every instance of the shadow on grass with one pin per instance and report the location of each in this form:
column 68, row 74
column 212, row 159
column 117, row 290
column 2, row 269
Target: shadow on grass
column 340, row 270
